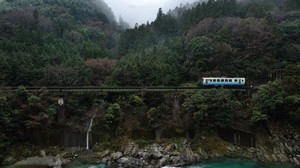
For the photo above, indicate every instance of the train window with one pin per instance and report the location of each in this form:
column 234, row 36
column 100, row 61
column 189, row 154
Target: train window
column 214, row 80
column 222, row 80
column 230, row 80
column 218, row 80
column 226, row 80
column 235, row 80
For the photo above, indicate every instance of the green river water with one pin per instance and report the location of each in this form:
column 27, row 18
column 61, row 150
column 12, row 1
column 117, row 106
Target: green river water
column 238, row 163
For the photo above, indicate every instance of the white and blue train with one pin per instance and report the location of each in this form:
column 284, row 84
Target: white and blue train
column 223, row 81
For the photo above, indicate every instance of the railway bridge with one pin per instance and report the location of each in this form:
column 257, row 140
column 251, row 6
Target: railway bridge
column 120, row 89
column 62, row 91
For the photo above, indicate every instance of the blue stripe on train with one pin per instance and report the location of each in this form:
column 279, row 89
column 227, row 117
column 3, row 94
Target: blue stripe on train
column 224, row 83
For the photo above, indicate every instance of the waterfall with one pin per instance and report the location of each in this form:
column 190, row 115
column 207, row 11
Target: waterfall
column 88, row 131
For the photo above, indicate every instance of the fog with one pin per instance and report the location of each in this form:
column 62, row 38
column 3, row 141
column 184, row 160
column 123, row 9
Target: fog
column 141, row 11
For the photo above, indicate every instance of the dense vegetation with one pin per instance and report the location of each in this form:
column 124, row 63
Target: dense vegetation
column 77, row 42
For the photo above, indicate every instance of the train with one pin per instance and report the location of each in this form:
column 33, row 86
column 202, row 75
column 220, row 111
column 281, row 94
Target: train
column 223, row 81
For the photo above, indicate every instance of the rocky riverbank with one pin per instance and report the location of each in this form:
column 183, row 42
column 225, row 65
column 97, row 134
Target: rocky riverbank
column 178, row 154
column 278, row 148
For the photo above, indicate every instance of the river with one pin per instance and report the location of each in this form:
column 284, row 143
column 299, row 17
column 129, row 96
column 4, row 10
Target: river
column 223, row 163
column 238, row 163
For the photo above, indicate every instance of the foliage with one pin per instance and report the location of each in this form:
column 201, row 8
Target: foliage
column 211, row 108
column 153, row 118
column 4, row 145
column 257, row 116
column 101, row 69
column 269, row 100
column 6, row 115
column 153, row 66
column 293, row 107
column 291, row 79
column 113, row 116
column 196, row 60
column 143, row 142
column 58, row 35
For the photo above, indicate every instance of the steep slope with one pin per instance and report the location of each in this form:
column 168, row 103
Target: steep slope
column 53, row 37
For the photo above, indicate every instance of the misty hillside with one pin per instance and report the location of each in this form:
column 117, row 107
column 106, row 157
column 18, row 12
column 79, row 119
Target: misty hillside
column 77, row 42
column 217, row 38
column 42, row 38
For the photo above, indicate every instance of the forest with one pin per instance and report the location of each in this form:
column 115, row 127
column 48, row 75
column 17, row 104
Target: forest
column 80, row 43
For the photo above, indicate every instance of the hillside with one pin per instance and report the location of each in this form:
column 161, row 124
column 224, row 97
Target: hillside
column 78, row 43
column 44, row 42
column 220, row 38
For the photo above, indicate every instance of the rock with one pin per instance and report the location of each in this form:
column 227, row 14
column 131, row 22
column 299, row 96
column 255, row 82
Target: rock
column 142, row 154
column 43, row 153
column 290, row 149
column 274, row 158
column 175, row 159
column 251, row 150
column 188, row 155
column 175, row 153
column 47, row 161
column 185, row 141
column 155, row 147
column 163, row 161
column 133, row 162
column 57, row 163
column 169, row 148
column 156, row 155
column 202, row 153
column 103, row 154
column 283, row 158
column 130, row 149
column 231, row 148
column 176, row 146
column 105, row 160
column 296, row 161
column 267, row 158
column 9, row 160
column 116, row 155
column 124, row 160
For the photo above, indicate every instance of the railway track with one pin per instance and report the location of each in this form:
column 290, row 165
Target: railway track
column 117, row 88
